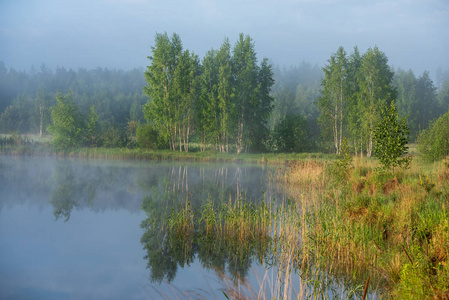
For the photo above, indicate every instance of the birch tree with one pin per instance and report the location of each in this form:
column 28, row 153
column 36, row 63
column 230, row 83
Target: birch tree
column 244, row 64
column 161, row 108
column 334, row 96
column 376, row 91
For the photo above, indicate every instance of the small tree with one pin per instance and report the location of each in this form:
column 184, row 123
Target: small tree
column 147, row 136
column 433, row 142
column 391, row 138
column 68, row 124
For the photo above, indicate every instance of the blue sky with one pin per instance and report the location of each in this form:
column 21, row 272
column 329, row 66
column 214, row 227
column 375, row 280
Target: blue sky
column 414, row 34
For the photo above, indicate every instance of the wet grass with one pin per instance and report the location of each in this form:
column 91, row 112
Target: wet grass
column 335, row 234
column 391, row 227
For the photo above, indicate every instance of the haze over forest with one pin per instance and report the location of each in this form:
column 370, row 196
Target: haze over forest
column 119, row 33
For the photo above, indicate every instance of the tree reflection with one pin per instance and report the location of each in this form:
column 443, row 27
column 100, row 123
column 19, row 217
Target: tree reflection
column 69, row 191
column 176, row 229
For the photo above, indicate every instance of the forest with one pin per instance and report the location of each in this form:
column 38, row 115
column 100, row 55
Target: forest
column 227, row 101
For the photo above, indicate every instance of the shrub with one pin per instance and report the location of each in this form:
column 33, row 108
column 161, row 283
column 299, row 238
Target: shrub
column 433, row 142
column 290, row 135
column 147, row 136
column 391, row 138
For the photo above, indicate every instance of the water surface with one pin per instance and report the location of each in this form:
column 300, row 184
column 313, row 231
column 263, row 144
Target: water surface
column 71, row 228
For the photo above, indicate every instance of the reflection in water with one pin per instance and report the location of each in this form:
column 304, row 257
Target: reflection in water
column 173, row 236
column 70, row 190
column 102, row 201
column 105, row 201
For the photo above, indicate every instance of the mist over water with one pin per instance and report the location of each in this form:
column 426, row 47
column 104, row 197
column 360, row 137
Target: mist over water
column 70, row 228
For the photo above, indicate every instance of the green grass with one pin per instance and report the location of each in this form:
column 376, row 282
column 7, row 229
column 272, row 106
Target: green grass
column 391, row 228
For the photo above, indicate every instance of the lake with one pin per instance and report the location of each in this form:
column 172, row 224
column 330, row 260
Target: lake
column 72, row 228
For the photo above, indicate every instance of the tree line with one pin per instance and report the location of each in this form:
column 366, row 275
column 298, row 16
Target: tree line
column 27, row 99
column 226, row 100
column 355, row 89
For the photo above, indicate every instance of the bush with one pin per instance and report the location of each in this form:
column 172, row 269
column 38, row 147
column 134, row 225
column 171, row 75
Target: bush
column 147, row 137
column 68, row 124
column 391, row 138
column 113, row 138
column 290, row 135
column 433, row 142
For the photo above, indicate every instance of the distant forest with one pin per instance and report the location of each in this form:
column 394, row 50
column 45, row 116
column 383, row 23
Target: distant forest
column 302, row 111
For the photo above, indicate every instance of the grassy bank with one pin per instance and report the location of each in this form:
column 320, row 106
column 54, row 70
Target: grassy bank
column 387, row 231
column 391, row 227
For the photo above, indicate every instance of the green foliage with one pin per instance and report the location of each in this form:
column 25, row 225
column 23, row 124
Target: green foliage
column 433, row 142
column 341, row 168
column 417, row 100
column 391, row 138
column 376, row 90
column 290, row 135
column 335, row 93
column 226, row 101
column 68, row 124
column 16, row 117
column 147, row 137
column 92, row 127
column 172, row 85
column 113, row 137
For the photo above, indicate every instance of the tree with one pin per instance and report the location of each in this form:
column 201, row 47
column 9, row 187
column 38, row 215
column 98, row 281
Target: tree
column 206, row 106
column 244, row 63
column 407, row 101
column 68, row 124
column 426, row 95
column 391, row 138
column 147, row 137
column 252, row 103
column 376, row 91
column 262, row 107
column 186, row 91
column 225, row 95
column 433, row 142
column 353, row 119
column 17, row 116
column 334, row 96
column 160, row 77
column 443, row 96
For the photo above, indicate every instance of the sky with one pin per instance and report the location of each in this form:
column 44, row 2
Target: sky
column 119, row 34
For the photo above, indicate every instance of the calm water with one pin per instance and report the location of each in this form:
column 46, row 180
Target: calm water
column 71, row 229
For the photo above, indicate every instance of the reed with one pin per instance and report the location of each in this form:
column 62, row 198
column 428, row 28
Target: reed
column 392, row 228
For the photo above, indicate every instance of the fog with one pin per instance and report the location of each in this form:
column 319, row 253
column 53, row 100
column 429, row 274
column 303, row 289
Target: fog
column 119, row 33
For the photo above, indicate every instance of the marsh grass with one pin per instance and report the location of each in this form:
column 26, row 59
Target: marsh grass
column 393, row 228
column 280, row 236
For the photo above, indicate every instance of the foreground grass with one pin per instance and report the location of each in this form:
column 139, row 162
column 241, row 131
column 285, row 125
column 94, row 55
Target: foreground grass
column 392, row 227
column 388, row 231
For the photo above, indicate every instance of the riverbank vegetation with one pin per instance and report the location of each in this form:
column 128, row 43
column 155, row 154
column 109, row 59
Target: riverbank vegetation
column 334, row 235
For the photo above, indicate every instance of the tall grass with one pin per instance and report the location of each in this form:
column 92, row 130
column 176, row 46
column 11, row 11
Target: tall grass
column 393, row 228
